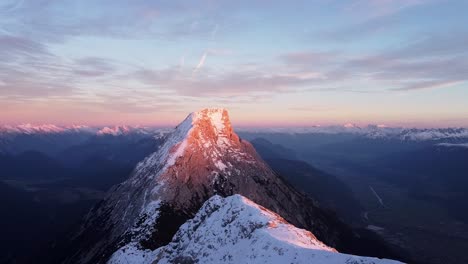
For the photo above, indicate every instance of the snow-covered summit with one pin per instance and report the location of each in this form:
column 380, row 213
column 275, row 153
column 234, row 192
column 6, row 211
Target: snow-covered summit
column 114, row 131
column 237, row 230
column 209, row 123
column 208, row 132
column 217, row 117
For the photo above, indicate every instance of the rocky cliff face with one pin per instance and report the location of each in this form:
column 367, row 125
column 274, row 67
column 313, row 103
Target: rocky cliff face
column 201, row 158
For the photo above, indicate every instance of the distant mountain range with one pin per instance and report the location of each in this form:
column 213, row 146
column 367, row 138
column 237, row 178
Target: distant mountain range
column 370, row 131
column 373, row 131
column 54, row 129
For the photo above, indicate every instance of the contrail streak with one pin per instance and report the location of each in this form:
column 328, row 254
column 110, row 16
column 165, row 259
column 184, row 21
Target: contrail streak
column 200, row 63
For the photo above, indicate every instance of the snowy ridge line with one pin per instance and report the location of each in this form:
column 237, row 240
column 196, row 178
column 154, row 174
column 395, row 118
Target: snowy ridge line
column 237, row 230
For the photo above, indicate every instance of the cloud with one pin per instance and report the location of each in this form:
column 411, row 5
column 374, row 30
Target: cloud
column 303, row 75
column 380, row 8
column 214, row 31
column 409, row 73
column 239, row 83
column 13, row 47
column 433, row 45
column 437, row 60
column 29, row 70
column 359, row 31
column 182, row 62
column 370, row 18
column 308, row 58
column 200, row 63
column 56, row 21
column 315, row 108
column 93, row 67
column 133, row 101
column 431, row 84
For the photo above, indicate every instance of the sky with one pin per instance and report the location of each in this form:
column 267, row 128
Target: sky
column 270, row 63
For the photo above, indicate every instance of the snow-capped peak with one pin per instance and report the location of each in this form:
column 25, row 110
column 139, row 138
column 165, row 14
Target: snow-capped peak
column 350, row 125
column 218, row 117
column 215, row 119
column 115, row 130
column 237, row 230
column 207, row 131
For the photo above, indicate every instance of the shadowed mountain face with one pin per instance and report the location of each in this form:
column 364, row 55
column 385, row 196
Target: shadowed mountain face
column 329, row 190
column 201, row 158
column 324, row 187
column 270, row 151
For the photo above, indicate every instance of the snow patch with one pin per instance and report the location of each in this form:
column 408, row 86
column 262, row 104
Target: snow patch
column 459, row 145
column 220, row 165
column 132, row 253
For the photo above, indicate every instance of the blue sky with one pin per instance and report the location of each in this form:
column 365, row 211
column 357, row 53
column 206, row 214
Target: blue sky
column 275, row 63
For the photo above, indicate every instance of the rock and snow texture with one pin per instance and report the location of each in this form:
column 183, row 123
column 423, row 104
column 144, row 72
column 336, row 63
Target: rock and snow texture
column 237, row 230
column 201, row 158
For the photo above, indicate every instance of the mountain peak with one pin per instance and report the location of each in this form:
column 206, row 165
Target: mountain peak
column 213, row 114
column 215, row 119
column 208, row 128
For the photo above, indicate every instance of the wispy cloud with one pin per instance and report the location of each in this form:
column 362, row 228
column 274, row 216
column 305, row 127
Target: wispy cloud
column 93, row 67
column 308, row 58
column 237, row 84
column 431, row 84
column 214, row 31
column 379, row 8
column 200, row 63
column 314, row 108
column 371, row 18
